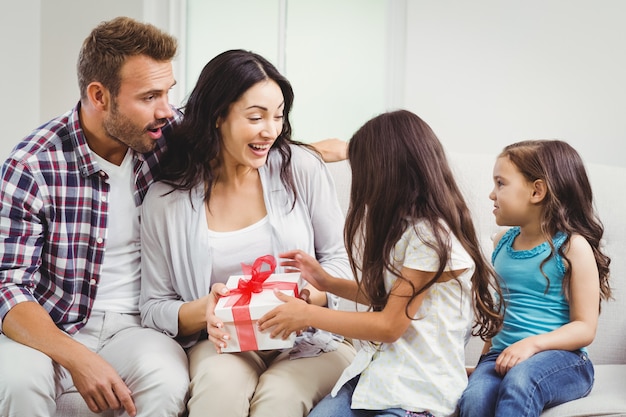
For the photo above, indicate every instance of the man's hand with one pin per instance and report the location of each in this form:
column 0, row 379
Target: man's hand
column 100, row 385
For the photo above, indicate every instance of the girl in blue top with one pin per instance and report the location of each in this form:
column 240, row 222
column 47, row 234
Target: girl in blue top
column 553, row 275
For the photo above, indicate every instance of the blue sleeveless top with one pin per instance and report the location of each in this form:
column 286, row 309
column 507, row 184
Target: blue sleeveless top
column 532, row 306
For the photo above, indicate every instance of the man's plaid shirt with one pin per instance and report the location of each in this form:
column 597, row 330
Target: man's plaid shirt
column 53, row 219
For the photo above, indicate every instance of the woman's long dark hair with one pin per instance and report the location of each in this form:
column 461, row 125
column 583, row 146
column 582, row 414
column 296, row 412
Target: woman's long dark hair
column 568, row 206
column 400, row 175
column 195, row 144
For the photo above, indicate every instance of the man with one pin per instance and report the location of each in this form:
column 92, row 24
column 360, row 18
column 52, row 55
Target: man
column 69, row 239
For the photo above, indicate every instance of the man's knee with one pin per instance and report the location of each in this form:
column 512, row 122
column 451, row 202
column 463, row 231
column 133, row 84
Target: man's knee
column 27, row 381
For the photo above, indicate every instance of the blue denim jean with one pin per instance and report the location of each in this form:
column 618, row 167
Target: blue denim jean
column 544, row 380
column 339, row 406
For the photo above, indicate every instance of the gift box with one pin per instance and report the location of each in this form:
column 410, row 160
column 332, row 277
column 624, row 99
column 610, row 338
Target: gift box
column 251, row 296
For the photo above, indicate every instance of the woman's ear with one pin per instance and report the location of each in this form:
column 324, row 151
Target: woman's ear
column 539, row 191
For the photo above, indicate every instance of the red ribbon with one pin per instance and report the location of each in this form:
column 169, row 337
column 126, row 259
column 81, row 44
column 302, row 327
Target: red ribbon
column 245, row 288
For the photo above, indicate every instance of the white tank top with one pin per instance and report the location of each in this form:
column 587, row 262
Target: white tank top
column 230, row 249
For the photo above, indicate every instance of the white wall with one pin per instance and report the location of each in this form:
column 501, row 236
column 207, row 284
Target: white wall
column 332, row 52
column 41, row 40
column 487, row 73
column 20, row 30
column 64, row 26
column 483, row 73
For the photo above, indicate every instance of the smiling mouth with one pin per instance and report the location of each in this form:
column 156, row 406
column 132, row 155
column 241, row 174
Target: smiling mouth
column 257, row 147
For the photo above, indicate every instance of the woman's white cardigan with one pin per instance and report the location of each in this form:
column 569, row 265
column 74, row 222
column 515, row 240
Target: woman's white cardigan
column 176, row 255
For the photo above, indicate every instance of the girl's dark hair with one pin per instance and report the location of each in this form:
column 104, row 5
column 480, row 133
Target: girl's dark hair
column 195, row 144
column 400, row 175
column 568, row 206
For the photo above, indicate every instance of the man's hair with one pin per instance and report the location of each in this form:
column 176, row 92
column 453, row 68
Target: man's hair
column 108, row 46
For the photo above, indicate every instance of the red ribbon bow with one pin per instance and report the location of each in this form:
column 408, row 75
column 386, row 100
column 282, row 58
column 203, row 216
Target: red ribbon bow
column 255, row 284
column 245, row 288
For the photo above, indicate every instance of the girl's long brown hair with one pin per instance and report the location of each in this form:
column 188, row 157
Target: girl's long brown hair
column 400, row 175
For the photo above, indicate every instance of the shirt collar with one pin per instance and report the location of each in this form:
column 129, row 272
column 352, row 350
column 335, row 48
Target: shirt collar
column 86, row 162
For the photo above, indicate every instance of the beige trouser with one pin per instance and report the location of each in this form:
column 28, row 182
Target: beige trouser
column 153, row 365
column 262, row 383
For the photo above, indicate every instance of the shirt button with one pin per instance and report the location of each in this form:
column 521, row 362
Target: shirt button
column 99, row 240
column 92, row 282
column 103, row 198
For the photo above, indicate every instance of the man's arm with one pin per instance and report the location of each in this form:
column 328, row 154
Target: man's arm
column 99, row 384
column 25, row 320
column 332, row 150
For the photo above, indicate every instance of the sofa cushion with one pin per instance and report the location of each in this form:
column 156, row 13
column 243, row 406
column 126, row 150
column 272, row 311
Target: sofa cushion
column 607, row 398
column 71, row 404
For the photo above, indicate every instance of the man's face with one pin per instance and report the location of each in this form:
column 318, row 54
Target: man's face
column 140, row 110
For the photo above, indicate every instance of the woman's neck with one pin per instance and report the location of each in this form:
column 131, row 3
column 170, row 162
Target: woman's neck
column 234, row 175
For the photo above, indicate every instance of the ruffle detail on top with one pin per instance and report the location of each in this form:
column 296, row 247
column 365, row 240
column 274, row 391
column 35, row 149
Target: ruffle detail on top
column 507, row 242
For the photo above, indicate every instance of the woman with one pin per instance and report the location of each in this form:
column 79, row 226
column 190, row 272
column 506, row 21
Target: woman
column 235, row 187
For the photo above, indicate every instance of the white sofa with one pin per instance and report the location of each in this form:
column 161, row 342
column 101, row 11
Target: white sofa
column 474, row 173
column 608, row 353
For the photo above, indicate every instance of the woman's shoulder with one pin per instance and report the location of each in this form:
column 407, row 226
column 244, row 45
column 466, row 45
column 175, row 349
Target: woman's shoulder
column 304, row 161
column 159, row 190
column 165, row 194
column 300, row 155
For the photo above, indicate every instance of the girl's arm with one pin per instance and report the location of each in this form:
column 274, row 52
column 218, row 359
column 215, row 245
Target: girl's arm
column 584, row 311
column 382, row 326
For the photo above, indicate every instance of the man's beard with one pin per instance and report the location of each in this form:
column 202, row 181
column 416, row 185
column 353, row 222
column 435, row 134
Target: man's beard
column 122, row 129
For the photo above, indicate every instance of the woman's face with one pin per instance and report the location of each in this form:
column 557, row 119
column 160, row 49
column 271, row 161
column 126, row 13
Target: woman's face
column 252, row 125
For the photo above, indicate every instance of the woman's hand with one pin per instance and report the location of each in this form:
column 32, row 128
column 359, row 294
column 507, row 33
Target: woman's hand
column 310, row 270
column 286, row 318
column 214, row 325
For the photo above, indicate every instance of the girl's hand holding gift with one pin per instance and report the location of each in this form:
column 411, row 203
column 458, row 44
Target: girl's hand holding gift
column 286, row 318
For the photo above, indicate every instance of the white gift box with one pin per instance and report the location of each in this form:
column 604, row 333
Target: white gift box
column 244, row 332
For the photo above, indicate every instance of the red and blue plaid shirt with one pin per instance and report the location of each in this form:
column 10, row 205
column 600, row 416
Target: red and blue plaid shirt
column 53, row 219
